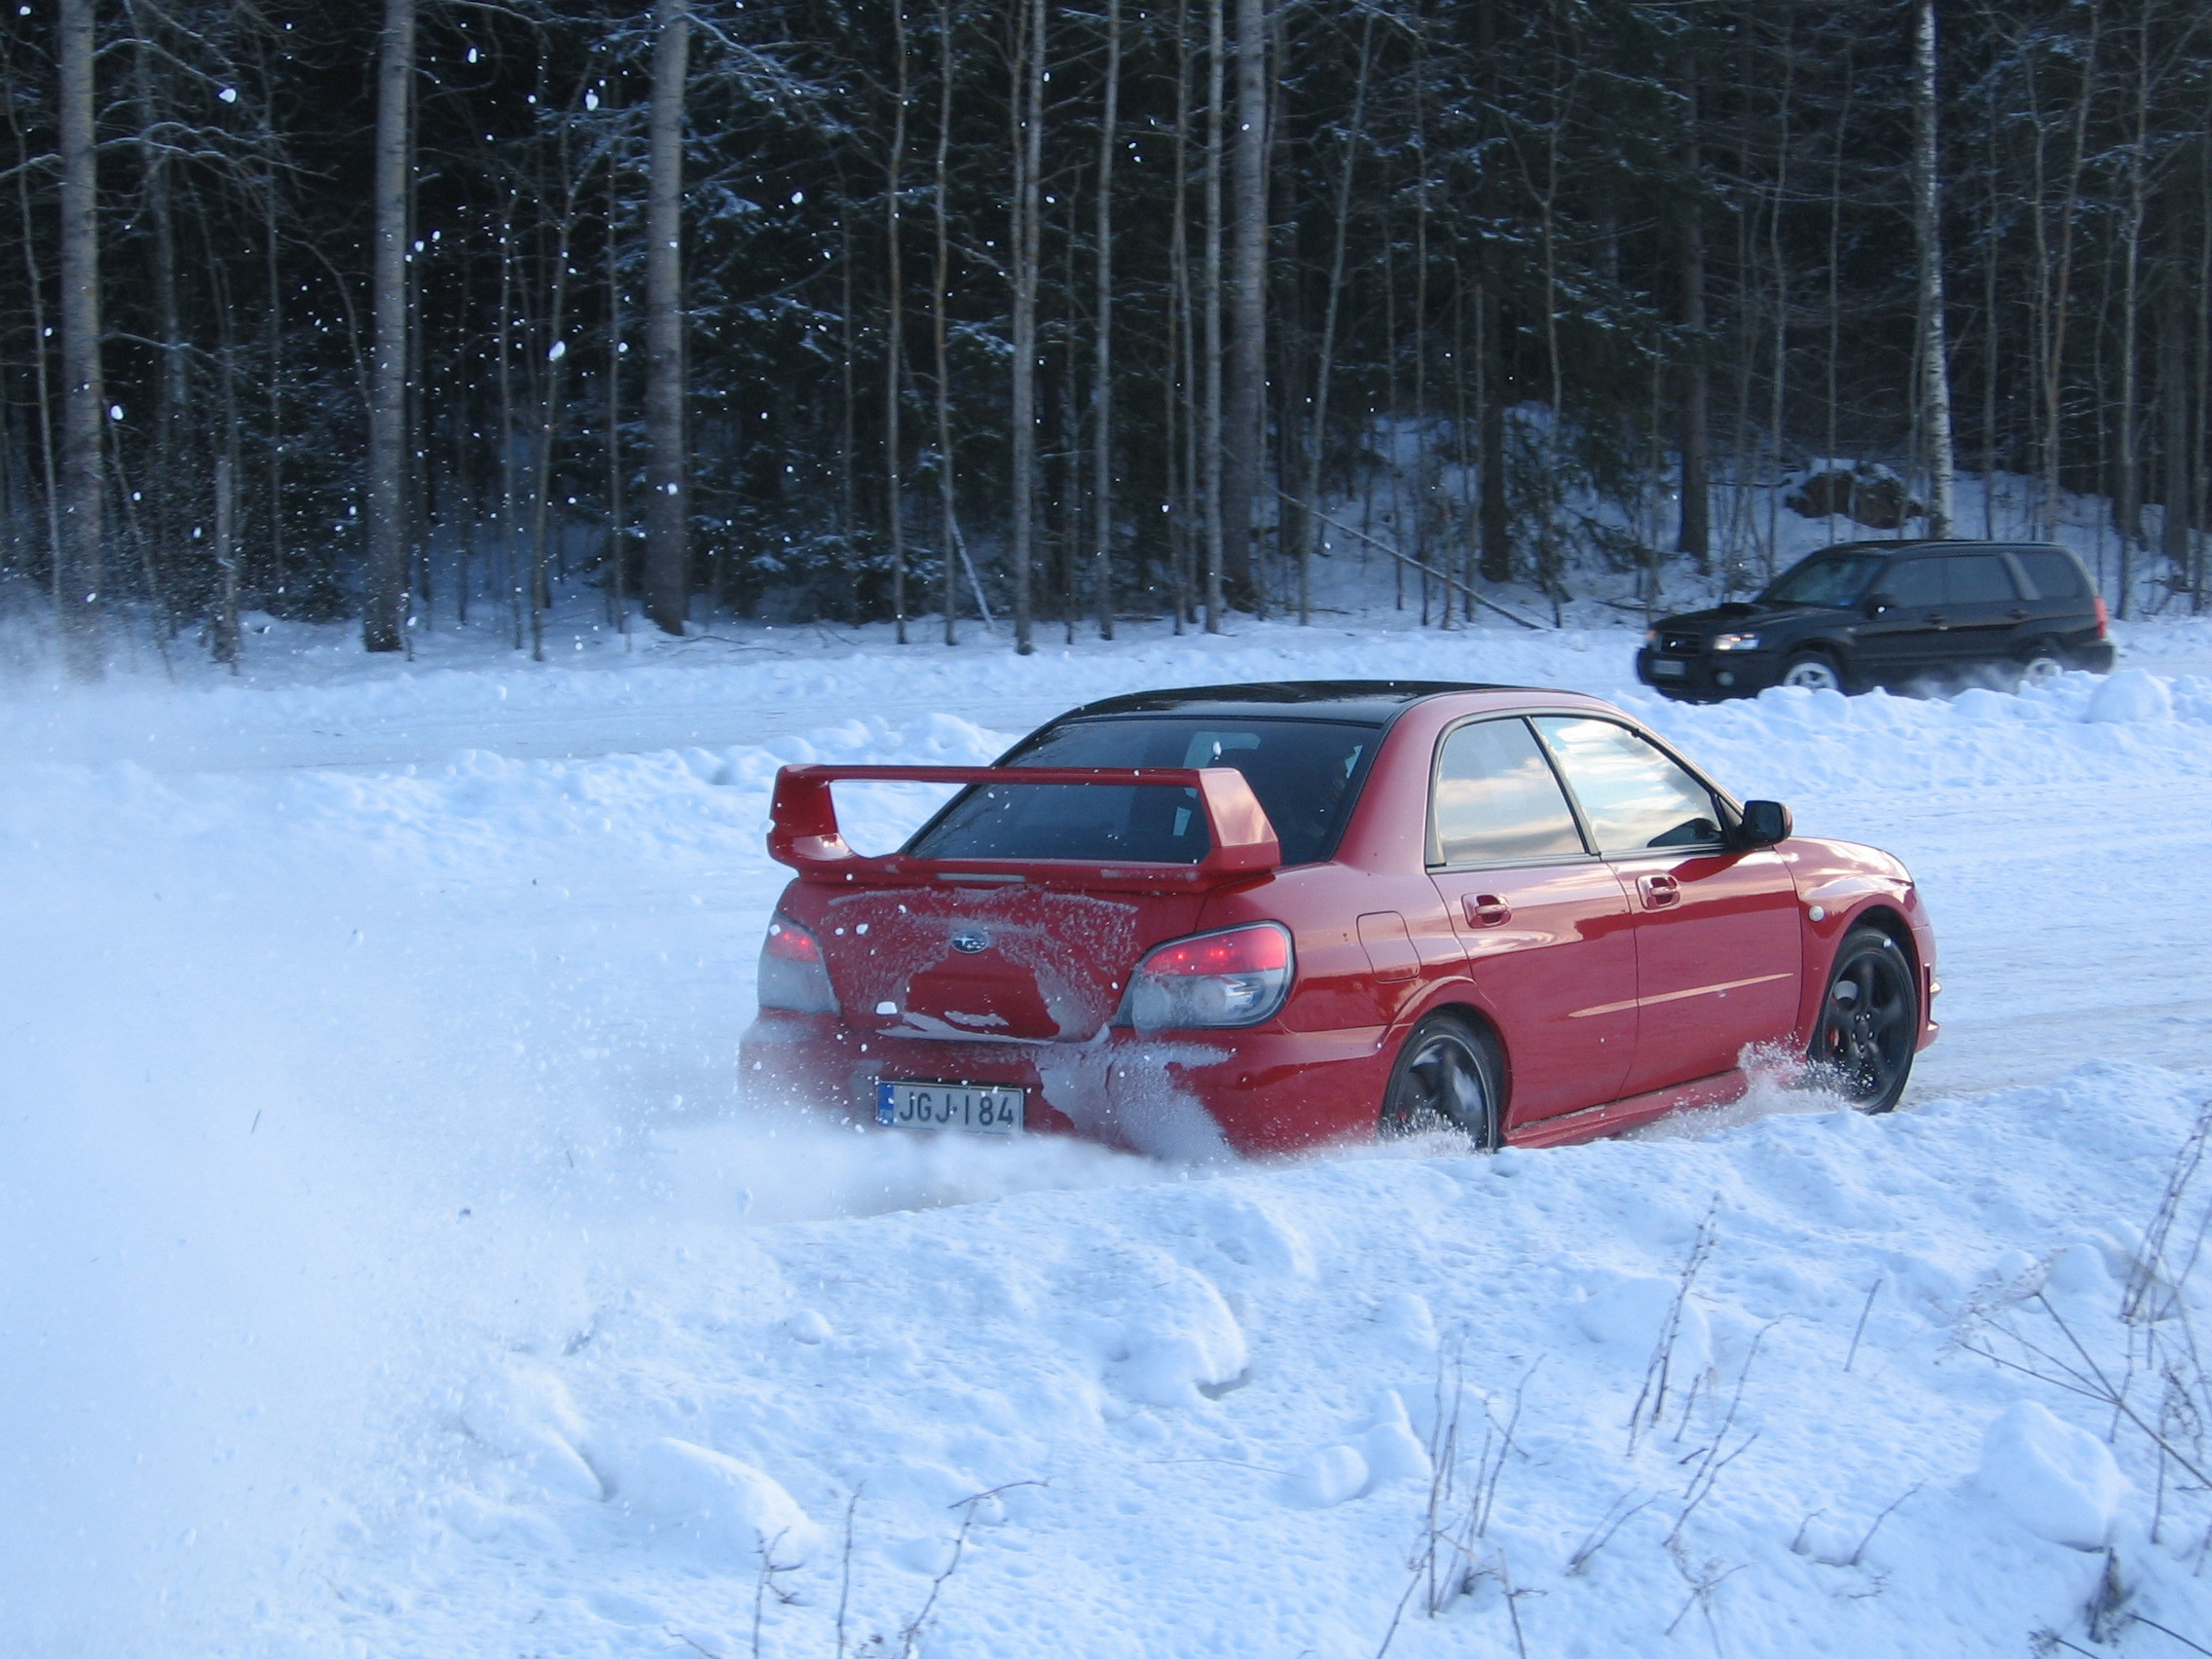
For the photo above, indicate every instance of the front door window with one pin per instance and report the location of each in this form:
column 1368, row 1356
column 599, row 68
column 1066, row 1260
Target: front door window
column 1717, row 952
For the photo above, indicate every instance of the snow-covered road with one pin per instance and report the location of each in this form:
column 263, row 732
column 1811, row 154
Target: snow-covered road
column 388, row 1272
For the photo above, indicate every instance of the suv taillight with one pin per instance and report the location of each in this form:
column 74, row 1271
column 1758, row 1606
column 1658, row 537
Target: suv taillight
column 1238, row 977
column 793, row 974
column 2104, row 619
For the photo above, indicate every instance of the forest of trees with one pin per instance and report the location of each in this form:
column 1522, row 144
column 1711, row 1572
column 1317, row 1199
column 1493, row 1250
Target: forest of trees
column 429, row 310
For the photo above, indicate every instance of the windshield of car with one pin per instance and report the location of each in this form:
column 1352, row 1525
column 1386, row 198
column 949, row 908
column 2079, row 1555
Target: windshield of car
column 1826, row 578
column 1307, row 774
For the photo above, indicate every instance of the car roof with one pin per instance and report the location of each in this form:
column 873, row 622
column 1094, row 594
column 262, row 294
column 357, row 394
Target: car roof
column 1354, row 702
column 1944, row 544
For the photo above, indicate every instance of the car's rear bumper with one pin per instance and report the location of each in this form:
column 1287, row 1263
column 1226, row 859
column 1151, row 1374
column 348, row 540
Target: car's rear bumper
column 2095, row 655
column 1705, row 677
column 1180, row 1094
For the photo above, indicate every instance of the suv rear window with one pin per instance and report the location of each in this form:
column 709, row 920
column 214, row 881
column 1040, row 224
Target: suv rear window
column 1307, row 774
column 2054, row 574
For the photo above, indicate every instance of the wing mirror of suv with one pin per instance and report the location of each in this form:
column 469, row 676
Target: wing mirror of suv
column 1876, row 604
column 1764, row 822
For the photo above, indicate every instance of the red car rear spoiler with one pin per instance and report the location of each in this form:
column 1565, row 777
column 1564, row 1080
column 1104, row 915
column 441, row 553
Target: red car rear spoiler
column 803, row 829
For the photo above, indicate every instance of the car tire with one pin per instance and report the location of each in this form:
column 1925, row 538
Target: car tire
column 1815, row 671
column 2042, row 662
column 1449, row 1077
column 1868, row 1024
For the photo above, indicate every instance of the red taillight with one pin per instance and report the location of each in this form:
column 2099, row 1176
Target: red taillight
column 1239, row 976
column 2103, row 618
column 787, row 941
column 1246, row 950
column 793, row 974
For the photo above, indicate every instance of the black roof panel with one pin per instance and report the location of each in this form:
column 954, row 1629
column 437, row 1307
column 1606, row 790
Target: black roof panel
column 1362, row 702
column 1922, row 544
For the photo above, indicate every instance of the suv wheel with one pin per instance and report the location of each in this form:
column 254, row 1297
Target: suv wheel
column 2042, row 663
column 1814, row 671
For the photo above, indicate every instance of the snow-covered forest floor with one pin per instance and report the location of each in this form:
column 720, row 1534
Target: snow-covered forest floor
column 391, row 1269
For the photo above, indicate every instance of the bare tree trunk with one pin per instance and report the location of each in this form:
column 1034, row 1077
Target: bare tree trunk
column 384, row 617
column 1694, row 536
column 1494, row 522
column 940, row 275
column 1317, row 424
column 34, row 280
column 617, row 532
column 504, row 437
column 1182, row 388
column 1028, row 104
column 2128, row 508
column 1209, row 294
column 1927, row 241
column 1102, row 370
column 668, row 561
column 2062, row 285
column 1244, row 390
column 549, row 406
column 84, row 401
column 223, row 631
column 167, row 488
column 2174, row 427
column 1778, row 378
column 895, row 343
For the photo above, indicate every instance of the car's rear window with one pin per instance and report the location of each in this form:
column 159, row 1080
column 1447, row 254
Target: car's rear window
column 1307, row 774
column 2054, row 574
column 1826, row 578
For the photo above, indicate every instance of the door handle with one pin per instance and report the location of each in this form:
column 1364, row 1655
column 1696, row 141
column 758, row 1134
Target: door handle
column 1487, row 910
column 1659, row 890
column 2019, row 613
column 1936, row 619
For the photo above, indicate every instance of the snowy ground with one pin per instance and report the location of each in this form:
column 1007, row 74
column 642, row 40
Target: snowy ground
column 391, row 1274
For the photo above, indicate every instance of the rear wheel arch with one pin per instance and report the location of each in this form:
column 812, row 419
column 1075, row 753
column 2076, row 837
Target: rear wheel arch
column 1461, row 999
column 1446, row 1037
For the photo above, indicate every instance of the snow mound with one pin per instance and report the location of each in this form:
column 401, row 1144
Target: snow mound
column 2130, row 695
column 728, row 1508
column 2057, row 1481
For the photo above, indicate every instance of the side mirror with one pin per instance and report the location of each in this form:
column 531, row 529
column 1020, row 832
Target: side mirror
column 1876, row 604
column 1764, row 822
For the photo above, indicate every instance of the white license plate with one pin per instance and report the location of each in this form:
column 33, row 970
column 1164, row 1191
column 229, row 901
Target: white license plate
column 1663, row 669
column 948, row 1106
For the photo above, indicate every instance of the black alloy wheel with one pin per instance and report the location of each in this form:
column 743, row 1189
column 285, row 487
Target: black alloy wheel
column 1870, row 1023
column 1449, row 1078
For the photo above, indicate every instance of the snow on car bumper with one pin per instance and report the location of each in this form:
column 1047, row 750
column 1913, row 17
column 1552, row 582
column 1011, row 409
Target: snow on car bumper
column 1190, row 1095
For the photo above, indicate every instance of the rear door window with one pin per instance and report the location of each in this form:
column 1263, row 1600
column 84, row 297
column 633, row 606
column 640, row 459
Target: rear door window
column 1977, row 578
column 1497, row 799
column 1912, row 584
column 1305, row 773
column 1633, row 796
column 2054, row 574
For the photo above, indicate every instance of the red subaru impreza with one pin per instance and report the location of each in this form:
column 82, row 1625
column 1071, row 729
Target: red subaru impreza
column 1260, row 918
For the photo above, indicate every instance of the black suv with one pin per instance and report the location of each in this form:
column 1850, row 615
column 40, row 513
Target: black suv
column 1865, row 613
